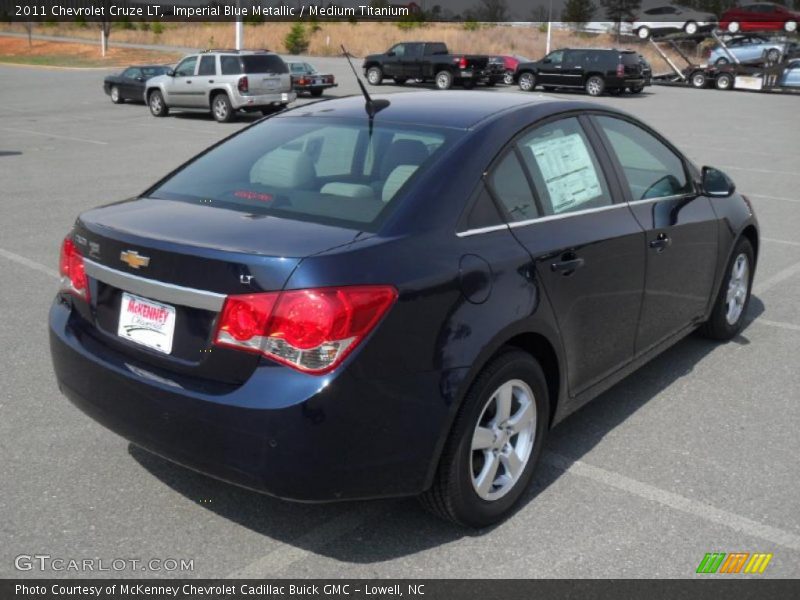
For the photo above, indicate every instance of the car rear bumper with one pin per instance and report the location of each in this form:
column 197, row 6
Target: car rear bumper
column 256, row 101
column 284, row 433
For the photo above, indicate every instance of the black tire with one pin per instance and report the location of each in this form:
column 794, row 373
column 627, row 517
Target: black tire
column 453, row 495
column 615, row 91
column 724, row 81
column 721, row 61
column 636, row 90
column 158, row 107
column 690, row 28
column 734, row 27
column 720, row 325
column 116, row 97
column 773, row 55
column 221, row 108
column 444, row 80
column 527, row 81
column 491, row 82
column 643, row 33
column 595, row 85
column 375, row 75
column 698, row 79
column 316, row 92
column 400, row 80
column 508, row 78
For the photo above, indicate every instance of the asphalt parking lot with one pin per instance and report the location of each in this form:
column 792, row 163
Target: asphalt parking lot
column 697, row 452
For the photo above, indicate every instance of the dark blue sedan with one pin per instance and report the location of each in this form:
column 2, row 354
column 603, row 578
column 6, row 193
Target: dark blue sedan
column 331, row 306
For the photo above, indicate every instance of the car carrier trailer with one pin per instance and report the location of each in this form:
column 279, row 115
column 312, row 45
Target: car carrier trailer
column 764, row 76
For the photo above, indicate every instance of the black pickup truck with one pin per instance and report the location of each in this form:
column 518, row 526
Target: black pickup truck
column 429, row 61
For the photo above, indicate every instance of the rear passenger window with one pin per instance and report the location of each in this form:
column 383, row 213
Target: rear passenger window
column 651, row 169
column 510, row 185
column 208, row 66
column 230, row 65
column 565, row 171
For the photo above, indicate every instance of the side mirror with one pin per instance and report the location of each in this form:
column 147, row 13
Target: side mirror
column 171, row 73
column 140, row 78
column 547, row 61
column 717, row 184
column 390, row 53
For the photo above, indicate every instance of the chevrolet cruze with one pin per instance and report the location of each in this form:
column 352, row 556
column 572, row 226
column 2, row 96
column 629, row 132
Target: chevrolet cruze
column 336, row 303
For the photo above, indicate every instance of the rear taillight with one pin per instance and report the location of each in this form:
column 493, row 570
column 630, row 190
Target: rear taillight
column 303, row 81
column 243, row 85
column 462, row 62
column 620, row 70
column 72, row 270
column 309, row 330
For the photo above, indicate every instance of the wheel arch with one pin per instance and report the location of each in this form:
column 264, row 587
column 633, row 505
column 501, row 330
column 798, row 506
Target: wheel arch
column 751, row 234
column 217, row 90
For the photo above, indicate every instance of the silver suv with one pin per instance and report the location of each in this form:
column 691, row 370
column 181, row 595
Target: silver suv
column 224, row 82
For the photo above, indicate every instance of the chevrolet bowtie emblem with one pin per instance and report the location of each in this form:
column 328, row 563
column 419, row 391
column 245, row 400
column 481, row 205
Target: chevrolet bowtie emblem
column 133, row 259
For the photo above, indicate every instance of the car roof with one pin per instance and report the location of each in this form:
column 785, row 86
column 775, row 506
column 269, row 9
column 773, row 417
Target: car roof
column 454, row 109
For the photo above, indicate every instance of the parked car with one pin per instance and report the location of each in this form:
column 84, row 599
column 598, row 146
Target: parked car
column 660, row 18
column 750, row 49
column 306, row 78
column 429, row 61
column 129, row 84
column 293, row 313
column 759, row 16
column 509, row 65
column 594, row 69
column 223, row 82
column 603, row 27
column 791, row 75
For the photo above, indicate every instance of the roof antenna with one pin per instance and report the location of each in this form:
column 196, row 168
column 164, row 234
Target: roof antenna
column 373, row 107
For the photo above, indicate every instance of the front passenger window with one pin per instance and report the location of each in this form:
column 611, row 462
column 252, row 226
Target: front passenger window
column 651, row 168
column 186, row 68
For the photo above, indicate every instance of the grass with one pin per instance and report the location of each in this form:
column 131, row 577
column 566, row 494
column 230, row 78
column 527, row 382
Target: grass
column 61, row 54
column 360, row 38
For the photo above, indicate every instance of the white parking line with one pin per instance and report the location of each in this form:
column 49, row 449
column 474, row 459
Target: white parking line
column 780, row 276
column 762, row 196
column 27, row 262
column 285, row 554
column 675, row 501
column 53, row 135
column 778, row 324
column 776, row 241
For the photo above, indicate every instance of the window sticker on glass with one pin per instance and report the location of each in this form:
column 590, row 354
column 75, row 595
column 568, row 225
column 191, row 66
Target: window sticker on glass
column 568, row 171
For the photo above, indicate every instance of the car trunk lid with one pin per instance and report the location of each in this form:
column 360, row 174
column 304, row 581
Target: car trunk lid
column 165, row 256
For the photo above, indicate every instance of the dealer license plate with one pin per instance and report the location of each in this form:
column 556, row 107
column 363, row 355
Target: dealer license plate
column 146, row 322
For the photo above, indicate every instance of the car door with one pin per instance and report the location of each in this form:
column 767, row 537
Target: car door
column 206, row 77
column 393, row 65
column 130, row 87
column 680, row 227
column 412, row 61
column 574, row 67
column 181, row 89
column 586, row 247
column 550, row 69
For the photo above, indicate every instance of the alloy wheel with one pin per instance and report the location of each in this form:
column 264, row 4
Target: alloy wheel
column 155, row 103
column 502, row 440
column 738, row 285
column 526, row 82
column 220, row 109
column 593, row 87
column 115, row 94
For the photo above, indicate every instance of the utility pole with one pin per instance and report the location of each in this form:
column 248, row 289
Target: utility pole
column 549, row 25
column 239, row 28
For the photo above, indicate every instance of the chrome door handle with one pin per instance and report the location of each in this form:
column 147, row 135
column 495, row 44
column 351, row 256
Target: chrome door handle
column 661, row 242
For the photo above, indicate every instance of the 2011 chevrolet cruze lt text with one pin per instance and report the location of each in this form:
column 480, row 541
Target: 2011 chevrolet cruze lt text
column 337, row 303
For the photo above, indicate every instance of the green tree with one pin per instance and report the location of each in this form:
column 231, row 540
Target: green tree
column 578, row 12
column 618, row 11
column 296, row 41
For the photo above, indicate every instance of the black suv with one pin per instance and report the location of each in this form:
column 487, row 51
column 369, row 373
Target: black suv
column 594, row 69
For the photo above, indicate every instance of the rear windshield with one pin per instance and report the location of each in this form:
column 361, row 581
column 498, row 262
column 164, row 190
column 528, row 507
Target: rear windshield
column 263, row 63
column 630, row 58
column 323, row 170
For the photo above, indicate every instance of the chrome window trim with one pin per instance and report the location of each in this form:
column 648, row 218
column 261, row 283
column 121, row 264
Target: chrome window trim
column 565, row 215
column 157, row 290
